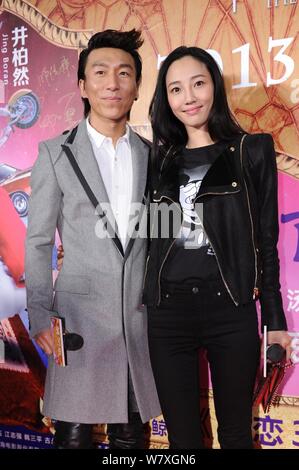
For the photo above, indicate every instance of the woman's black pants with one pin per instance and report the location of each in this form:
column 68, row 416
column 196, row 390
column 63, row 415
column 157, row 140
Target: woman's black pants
column 204, row 316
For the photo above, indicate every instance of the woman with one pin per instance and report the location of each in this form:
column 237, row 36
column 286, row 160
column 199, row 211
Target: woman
column 203, row 279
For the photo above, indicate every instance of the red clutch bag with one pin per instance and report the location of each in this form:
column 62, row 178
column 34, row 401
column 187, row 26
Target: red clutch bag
column 266, row 387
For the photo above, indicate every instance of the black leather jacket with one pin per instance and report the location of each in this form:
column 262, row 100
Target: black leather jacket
column 240, row 217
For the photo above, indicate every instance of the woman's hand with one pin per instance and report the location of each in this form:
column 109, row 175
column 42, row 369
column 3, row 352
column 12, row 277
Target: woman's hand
column 60, row 255
column 282, row 338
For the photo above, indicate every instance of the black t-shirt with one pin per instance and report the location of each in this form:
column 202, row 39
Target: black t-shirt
column 192, row 258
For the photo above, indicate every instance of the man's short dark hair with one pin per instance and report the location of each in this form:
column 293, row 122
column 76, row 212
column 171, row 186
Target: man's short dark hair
column 128, row 41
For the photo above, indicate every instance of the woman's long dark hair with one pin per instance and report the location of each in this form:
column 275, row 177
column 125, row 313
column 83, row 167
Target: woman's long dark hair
column 168, row 131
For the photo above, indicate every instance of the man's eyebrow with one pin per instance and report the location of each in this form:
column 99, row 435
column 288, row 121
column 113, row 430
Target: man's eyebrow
column 126, row 65
column 104, row 64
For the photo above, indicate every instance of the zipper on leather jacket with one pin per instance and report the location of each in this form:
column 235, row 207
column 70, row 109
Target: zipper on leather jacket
column 164, row 159
column 148, row 256
column 171, row 200
column 160, row 271
column 219, row 267
column 168, row 251
column 151, row 236
column 220, row 270
column 255, row 250
column 158, row 200
column 217, row 194
column 145, row 272
column 256, row 289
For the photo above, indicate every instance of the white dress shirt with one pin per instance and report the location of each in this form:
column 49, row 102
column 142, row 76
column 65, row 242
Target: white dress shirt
column 115, row 164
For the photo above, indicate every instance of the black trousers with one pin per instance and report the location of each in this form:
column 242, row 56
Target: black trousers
column 187, row 319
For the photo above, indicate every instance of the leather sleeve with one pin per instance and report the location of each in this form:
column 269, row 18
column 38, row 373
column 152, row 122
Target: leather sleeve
column 263, row 171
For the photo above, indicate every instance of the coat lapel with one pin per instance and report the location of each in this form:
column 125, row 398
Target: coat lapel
column 223, row 176
column 84, row 155
column 140, row 155
column 83, row 152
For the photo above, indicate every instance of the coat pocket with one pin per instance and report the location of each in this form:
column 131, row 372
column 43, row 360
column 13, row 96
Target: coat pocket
column 73, row 284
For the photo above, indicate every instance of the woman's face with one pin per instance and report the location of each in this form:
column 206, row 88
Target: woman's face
column 190, row 92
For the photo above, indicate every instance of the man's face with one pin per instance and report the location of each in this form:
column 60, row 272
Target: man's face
column 109, row 84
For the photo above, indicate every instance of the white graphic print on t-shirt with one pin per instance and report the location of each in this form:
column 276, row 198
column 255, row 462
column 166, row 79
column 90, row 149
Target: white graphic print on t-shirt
column 192, row 233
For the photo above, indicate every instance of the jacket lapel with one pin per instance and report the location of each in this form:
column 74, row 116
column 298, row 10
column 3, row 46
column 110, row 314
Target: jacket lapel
column 83, row 152
column 222, row 177
column 84, row 155
column 140, row 155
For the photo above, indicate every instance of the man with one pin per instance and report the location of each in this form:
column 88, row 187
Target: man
column 98, row 290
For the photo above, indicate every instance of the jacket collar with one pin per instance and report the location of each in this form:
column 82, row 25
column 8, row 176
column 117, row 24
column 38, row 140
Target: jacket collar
column 81, row 148
column 223, row 176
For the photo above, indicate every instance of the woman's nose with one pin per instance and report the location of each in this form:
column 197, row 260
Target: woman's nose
column 189, row 96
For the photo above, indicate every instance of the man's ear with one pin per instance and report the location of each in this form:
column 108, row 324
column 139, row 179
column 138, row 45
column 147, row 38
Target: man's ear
column 137, row 90
column 82, row 88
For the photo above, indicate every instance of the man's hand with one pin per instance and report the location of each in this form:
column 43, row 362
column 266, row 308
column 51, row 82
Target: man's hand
column 282, row 338
column 60, row 255
column 45, row 341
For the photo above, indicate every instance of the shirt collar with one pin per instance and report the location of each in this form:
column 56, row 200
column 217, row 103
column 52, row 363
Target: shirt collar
column 99, row 138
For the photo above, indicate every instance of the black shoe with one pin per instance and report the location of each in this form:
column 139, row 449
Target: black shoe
column 72, row 435
column 127, row 435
